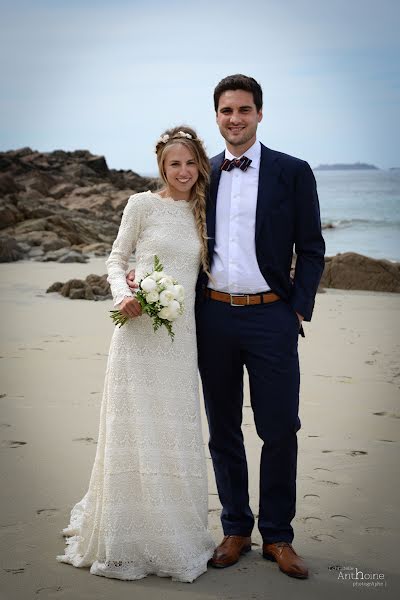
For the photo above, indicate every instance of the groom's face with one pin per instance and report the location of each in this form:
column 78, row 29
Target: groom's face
column 237, row 119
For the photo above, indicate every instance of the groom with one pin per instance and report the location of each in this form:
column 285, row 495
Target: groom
column 262, row 205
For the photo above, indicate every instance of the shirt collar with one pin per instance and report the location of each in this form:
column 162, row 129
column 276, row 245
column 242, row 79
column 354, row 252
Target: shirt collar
column 254, row 153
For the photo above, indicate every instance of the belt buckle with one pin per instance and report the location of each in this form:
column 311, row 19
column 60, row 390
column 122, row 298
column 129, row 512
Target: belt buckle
column 240, row 296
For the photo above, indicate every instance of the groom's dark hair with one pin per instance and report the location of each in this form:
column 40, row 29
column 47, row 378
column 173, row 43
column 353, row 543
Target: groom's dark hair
column 239, row 82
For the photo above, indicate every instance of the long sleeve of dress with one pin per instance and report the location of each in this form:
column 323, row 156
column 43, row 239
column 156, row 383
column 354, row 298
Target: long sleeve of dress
column 123, row 246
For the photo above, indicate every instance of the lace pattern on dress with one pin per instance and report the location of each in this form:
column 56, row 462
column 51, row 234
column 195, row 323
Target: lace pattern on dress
column 145, row 511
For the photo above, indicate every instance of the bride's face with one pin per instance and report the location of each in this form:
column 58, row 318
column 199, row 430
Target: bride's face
column 181, row 171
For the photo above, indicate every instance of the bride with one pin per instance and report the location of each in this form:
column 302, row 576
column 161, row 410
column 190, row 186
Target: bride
column 145, row 511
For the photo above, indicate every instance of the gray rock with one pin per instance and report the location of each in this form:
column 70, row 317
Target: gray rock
column 36, row 238
column 38, row 212
column 39, row 181
column 24, row 247
column 36, row 252
column 73, row 257
column 351, row 271
column 93, row 279
column 8, row 185
column 55, row 287
column 77, row 294
column 55, row 255
column 98, row 164
column 20, row 152
column 10, row 250
column 72, row 284
column 56, row 244
column 98, row 249
column 101, row 291
column 89, row 295
column 30, row 195
column 31, row 225
column 94, row 287
column 60, row 190
column 9, row 215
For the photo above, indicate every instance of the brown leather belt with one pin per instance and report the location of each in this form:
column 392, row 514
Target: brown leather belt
column 242, row 299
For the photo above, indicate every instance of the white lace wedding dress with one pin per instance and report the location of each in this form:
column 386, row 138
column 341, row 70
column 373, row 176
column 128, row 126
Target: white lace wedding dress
column 145, row 511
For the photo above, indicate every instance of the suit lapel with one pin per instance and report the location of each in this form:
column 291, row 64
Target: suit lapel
column 267, row 180
column 215, row 175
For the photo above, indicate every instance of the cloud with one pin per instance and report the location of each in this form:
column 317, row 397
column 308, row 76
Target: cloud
column 112, row 76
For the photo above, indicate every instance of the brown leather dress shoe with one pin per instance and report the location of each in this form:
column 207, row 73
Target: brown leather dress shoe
column 230, row 550
column 289, row 562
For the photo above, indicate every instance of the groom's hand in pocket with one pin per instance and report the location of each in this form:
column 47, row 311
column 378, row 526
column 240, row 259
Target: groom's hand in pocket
column 130, row 307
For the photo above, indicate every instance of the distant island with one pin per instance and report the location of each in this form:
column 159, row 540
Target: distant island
column 347, row 167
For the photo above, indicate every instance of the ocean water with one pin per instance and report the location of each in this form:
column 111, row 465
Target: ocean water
column 364, row 209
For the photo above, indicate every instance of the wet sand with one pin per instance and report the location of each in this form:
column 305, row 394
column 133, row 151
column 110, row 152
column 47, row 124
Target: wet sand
column 52, row 363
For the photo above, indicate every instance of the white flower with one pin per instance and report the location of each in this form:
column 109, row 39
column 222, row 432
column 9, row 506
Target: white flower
column 174, row 308
column 152, row 297
column 163, row 139
column 186, row 135
column 166, row 282
column 157, row 275
column 170, row 312
column 148, row 284
column 164, row 313
column 179, row 293
column 166, row 297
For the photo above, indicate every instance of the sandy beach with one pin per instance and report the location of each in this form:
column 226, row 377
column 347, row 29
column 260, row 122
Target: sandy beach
column 52, row 360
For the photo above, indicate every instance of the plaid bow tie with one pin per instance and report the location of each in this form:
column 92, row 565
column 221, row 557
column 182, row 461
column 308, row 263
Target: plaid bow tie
column 242, row 163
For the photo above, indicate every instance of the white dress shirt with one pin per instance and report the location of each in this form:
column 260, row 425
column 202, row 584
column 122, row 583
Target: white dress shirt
column 234, row 267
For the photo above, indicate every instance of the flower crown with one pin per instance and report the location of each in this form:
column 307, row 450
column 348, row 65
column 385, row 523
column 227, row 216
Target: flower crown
column 166, row 137
column 180, row 134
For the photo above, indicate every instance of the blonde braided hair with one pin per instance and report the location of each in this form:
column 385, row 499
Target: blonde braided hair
column 188, row 137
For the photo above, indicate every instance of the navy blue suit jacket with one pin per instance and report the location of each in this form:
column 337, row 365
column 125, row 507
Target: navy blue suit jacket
column 287, row 220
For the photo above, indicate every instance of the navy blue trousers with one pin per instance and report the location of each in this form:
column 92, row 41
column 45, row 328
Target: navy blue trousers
column 263, row 338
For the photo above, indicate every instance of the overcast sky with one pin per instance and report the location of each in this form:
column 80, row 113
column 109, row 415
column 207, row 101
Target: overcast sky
column 110, row 76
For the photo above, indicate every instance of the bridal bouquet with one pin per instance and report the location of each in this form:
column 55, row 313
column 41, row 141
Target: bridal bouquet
column 160, row 296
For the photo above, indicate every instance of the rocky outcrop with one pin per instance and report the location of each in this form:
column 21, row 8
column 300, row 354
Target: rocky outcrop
column 348, row 271
column 60, row 200
column 351, row 271
column 94, row 287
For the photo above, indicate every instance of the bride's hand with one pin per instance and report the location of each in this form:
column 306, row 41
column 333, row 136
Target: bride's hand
column 130, row 280
column 130, row 307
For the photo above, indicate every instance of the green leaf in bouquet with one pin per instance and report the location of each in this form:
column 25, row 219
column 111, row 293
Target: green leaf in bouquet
column 157, row 264
column 118, row 318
